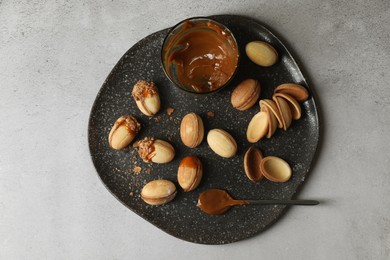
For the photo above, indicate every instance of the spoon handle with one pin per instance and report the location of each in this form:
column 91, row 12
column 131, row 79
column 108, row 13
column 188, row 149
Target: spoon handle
column 284, row 202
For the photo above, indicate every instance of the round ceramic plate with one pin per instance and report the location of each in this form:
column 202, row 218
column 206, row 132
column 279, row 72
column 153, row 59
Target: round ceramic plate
column 181, row 218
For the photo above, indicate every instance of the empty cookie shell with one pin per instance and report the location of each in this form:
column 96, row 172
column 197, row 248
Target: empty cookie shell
column 296, row 91
column 273, row 108
column 275, row 169
column 272, row 121
column 284, row 110
column 295, row 108
column 252, row 160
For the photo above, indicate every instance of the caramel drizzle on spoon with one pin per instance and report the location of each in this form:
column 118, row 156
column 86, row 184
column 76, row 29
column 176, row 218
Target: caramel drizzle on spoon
column 215, row 202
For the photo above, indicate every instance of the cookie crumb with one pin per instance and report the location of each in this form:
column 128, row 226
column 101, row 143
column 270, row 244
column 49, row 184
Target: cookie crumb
column 131, row 194
column 210, row 114
column 148, row 171
column 137, row 170
column 157, row 119
column 170, row 111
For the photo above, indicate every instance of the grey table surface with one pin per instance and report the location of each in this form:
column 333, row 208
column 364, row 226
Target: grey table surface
column 54, row 57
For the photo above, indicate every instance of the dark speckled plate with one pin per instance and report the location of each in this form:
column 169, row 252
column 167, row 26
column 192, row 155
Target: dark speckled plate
column 181, row 218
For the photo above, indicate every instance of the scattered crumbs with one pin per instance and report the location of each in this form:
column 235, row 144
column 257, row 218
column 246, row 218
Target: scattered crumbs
column 210, row 114
column 148, row 171
column 170, row 138
column 137, row 170
column 131, row 194
column 133, row 154
column 170, row 111
column 157, row 119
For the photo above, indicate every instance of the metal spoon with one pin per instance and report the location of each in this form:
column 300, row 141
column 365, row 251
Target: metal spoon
column 217, row 201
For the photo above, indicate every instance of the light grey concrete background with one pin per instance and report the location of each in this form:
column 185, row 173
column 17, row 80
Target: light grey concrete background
column 54, row 57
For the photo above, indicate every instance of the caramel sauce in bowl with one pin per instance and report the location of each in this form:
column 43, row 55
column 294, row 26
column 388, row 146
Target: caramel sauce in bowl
column 200, row 55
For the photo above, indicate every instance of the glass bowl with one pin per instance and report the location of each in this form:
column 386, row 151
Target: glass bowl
column 200, row 55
